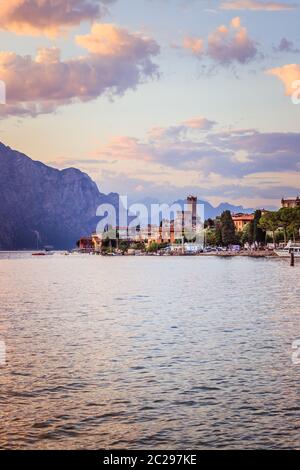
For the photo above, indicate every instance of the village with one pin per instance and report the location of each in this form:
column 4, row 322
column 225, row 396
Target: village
column 257, row 234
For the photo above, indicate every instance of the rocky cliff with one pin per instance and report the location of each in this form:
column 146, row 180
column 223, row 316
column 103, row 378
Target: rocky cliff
column 37, row 201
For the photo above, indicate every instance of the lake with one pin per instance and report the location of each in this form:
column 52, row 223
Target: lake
column 149, row 353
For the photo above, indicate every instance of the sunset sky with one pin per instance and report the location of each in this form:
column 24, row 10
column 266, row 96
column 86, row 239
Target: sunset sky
column 157, row 98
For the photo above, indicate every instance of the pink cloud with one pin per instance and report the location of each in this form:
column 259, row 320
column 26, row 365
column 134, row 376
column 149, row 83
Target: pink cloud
column 233, row 154
column 195, row 45
column 108, row 40
column 256, row 5
column 226, row 45
column 180, row 131
column 288, row 74
column 40, row 84
column 199, row 123
column 125, row 148
column 49, row 17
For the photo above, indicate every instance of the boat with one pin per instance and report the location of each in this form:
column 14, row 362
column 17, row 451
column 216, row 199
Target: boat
column 291, row 248
column 38, row 254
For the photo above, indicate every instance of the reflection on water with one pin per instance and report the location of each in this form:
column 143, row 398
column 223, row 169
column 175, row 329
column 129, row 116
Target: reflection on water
column 149, row 353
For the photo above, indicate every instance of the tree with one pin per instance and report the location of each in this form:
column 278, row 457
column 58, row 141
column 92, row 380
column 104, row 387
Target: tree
column 297, row 220
column 259, row 234
column 124, row 245
column 218, row 232
column 294, row 225
column 209, row 223
column 270, row 223
column 247, row 234
column 286, row 219
column 227, row 229
column 211, row 237
column 153, row 247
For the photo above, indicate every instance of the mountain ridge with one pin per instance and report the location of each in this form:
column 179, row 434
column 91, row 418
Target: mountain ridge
column 43, row 204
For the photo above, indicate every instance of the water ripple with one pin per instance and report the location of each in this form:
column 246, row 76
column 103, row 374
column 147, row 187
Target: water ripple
column 149, row 353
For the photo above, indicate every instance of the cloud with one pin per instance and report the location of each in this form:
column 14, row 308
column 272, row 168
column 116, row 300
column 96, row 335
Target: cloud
column 41, row 84
column 286, row 46
column 195, row 45
column 266, row 152
column 289, row 75
column 257, row 5
column 49, row 17
column 232, row 154
column 231, row 44
column 211, row 168
column 182, row 130
column 107, row 40
column 245, row 165
column 199, row 123
column 226, row 45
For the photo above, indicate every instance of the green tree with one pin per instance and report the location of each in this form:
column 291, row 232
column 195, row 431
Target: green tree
column 227, row 229
column 259, row 234
column 209, row 223
column 218, row 232
column 286, row 219
column 153, row 247
column 124, row 245
column 211, row 237
column 247, row 234
column 294, row 225
column 297, row 220
column 269, row 222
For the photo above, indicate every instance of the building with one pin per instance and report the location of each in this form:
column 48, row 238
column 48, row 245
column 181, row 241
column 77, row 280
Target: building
column 85, row 244
column 187, row 225
column 92, row 244
column 192, row 209
column 241, row 220
column 290, row 203
column 97, row 243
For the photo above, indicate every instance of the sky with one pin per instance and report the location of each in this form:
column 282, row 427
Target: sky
column 158, row 98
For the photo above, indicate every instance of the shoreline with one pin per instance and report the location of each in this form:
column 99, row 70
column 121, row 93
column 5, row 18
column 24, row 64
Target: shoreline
column 257, row 255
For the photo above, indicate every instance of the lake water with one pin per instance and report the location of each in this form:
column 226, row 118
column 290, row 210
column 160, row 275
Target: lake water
column 177, row 353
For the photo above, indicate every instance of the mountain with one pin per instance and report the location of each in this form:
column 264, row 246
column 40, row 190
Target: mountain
column 42, row 203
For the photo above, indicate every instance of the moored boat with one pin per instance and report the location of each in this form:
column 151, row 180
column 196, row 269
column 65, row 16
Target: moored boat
column 38, row 254
column 291, row 248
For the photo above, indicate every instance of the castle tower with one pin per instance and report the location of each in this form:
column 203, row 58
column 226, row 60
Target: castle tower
column 192, row 208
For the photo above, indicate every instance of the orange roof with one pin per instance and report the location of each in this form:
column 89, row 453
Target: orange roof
column 243, row 217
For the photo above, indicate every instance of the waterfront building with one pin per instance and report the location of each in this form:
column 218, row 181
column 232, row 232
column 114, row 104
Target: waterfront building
column 290, row 203
column 97, row 243
column 241, row 220
column 90, row 244
column 85, row 244
column 152, row 234
column 166, row 232
column 186, row 225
